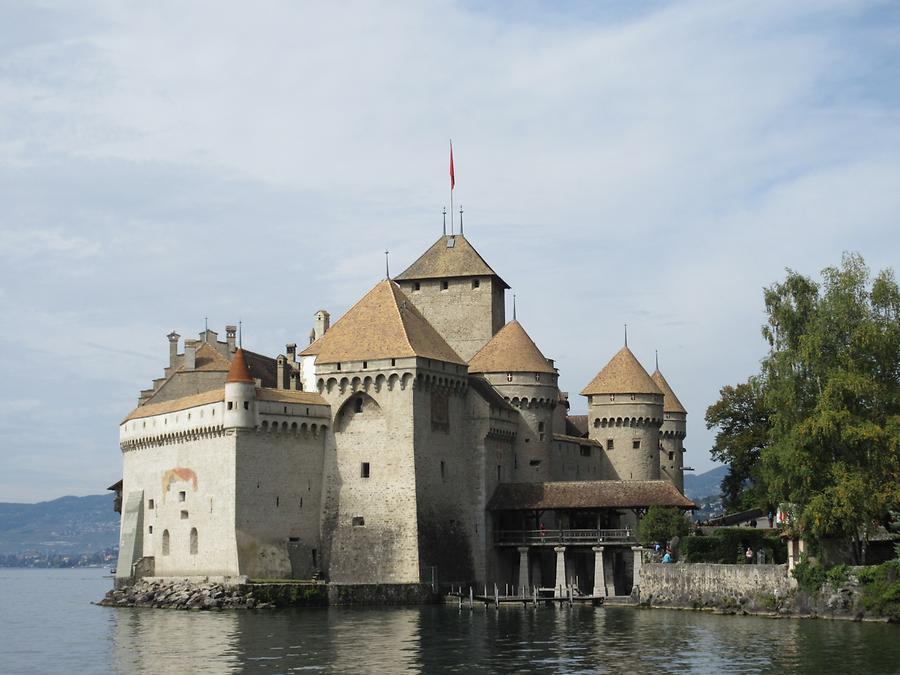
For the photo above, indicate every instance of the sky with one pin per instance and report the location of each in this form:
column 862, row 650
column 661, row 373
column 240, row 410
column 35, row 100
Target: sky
column 655, row 164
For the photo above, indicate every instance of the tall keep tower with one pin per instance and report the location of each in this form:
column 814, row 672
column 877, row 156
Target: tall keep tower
column 625, row 413
column 517, row 369
column 672, row 433
column 458, row 293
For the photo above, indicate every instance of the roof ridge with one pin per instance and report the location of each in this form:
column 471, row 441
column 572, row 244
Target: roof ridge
column 395, row 288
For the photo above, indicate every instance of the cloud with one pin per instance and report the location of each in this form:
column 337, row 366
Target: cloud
column 655, row 165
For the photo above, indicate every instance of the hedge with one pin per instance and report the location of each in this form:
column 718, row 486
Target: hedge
column 727, row 545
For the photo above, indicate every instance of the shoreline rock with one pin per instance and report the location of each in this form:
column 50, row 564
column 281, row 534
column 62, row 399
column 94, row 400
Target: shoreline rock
column 180, row 594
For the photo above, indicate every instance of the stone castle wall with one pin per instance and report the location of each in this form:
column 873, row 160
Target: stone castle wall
column 626, row 420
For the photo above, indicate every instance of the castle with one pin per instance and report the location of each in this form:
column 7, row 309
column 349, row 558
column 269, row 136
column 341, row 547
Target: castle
column 420, row 439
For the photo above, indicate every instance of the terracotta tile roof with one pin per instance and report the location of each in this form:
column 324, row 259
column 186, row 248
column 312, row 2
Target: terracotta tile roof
column 238, row 371
column 580, row 440
column 313, row 349
column 176, row 404
column 290, row 396
column 587, row 495
column 443, row 261
column 670, row 400
column 622, row 375
column 208, row 358
column 577, row 425
column 384, row 324
column 488, row 393
column 511, row 350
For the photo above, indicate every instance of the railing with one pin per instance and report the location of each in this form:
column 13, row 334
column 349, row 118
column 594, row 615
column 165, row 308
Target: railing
column 561, row 537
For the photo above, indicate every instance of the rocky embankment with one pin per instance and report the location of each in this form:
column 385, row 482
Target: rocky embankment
column 184, row 595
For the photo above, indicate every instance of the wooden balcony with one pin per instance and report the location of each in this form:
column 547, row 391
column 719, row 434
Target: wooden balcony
column 621, row 537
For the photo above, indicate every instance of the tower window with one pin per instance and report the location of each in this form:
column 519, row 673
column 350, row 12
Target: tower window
column 442, row 468
column 184, row 515
column 540, row 426
column 610, row 444
column 165, row 542
column 632, row 397
column 230, row 405
column 151, row 504
column 476, row 283
column 671, row 456
column 358, row 521
column 365, row 364
column 358, row 405
column 364, row 470
column 509, row 377
column 445, row 285
column 417, row 286
column 612, row 397
column 636, row 444
column 182, row 496
column 194, row 545
column 339, row 366
column 585, row 451
column 246, row 405
column 150, row 529
column 537, row 377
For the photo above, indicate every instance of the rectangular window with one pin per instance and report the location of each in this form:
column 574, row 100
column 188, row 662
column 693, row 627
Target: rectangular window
column 230, row 405
column 612, row 397
column 339, row 366
column 445, row 285
column 610, row 444
column 671, row 456
column 636, row 444
column 184, row 515
column 358, row 521
column 498, row 473
column 540, row 426
column 476, row 283
column 535, row 462
column 364, row 470
column 442, row 468
column 182, row 496
column 150, row 529
column 150, row 504
column 417, row 286
column 393, row 362
column 246, row 405
column 585, row 451
column 365, row 364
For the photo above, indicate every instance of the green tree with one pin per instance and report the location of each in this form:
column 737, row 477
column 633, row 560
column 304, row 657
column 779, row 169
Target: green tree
column 833, row 384
column 661, row 524
column 742, row 420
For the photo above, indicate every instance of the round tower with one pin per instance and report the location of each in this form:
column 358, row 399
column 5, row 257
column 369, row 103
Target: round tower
column 672, row 433
column 625, row 413
column 240, row 395
column 517, row 369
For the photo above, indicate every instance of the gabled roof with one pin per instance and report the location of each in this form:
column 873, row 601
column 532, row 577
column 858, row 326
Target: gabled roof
column 577, row 425
column 314, row 348
column 176, row 404
column 208, row 358
column 598, row 494
column 622, row 375
column 511, row 350
column 670, row 400
column 384, row 324
column 449, row 256
column 238, row 372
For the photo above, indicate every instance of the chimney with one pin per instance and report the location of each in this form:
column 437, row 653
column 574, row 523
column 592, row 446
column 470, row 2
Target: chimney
column 312, row 335
column 323, row 323
column 231, row 336
column 190, row 354
column 279, row 376
column 291, row 348
column 173, row 347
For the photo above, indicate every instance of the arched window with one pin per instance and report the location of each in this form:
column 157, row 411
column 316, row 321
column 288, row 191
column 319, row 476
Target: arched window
column 193, row 541
column 165, row 542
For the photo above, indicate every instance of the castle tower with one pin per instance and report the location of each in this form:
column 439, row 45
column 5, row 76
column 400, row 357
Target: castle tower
column 397, row 486
column 672, row 433
column 458, row 293
column 517, row 369
column 625, row 413
column 240, row 395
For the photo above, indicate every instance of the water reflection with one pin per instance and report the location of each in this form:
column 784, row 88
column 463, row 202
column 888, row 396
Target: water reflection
column 513, row 638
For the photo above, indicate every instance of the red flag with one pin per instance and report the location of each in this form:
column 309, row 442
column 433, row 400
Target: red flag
column 452, row 174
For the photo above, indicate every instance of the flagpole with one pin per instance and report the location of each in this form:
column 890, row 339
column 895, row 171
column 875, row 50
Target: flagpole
column 452, row 180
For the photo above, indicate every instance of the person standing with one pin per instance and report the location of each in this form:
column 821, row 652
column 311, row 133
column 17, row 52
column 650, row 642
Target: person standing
column 749, row 556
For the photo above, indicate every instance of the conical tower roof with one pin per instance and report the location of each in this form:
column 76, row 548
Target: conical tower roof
column 670, row 400
column 450, row 256
column 383, row 324
column 238, row 371
column 511, row 350
column 622, row 375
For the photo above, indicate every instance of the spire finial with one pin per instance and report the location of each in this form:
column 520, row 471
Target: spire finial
column 387, row 265
column 205, row 326
column 444, row 211
column 656, row 353
column 626, row 334
column 514, row 306
column 460, row 219
column 241, row 334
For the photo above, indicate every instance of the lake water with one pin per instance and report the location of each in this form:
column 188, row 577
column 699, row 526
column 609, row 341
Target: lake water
column 49, row 626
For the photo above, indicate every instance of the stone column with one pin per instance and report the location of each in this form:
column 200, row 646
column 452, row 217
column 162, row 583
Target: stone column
column 638, row 561
column 560, row 583
column 523, row 569
column 599, row 573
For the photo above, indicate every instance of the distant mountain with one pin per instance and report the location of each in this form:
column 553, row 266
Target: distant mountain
column 68, row 525
column 704, row 485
